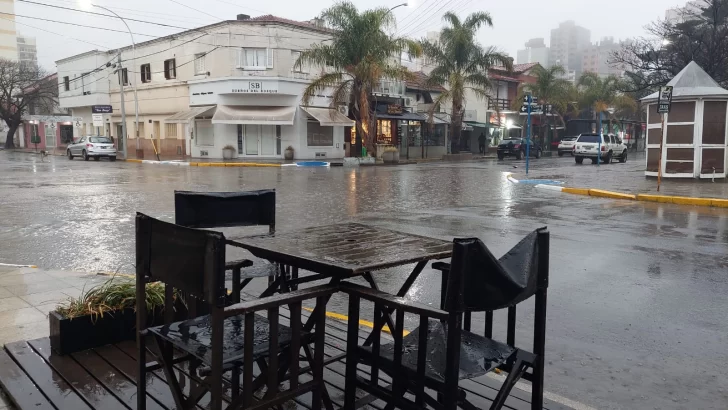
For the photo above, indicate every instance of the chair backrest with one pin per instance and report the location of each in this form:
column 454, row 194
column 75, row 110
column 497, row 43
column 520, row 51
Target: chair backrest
column 479, row 282
column 190, row 260
column 224, row 209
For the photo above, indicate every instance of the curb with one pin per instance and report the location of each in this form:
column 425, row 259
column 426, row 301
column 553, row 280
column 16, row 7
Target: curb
column 665, row 199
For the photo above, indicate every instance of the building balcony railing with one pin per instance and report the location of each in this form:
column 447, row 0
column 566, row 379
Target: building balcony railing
column 389, row 87
column 500, row 104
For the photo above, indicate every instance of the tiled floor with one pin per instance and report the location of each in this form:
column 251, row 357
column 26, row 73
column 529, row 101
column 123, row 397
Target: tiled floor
column 28, row 294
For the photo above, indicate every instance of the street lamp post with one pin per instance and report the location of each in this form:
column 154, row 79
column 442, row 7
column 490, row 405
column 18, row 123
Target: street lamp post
column 399, row 5
column 133, row 85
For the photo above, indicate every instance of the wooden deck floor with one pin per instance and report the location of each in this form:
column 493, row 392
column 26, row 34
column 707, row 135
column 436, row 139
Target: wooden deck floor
column 105, row 378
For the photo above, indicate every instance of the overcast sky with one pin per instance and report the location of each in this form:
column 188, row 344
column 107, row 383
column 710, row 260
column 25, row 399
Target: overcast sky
column 515, row 21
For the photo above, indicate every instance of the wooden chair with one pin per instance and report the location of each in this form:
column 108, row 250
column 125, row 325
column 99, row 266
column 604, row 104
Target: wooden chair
column 439, row 353
column 232, row 209
column 193, row 262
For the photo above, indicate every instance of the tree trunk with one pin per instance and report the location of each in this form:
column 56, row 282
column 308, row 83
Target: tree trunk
column 457, row 127
column 9, row 143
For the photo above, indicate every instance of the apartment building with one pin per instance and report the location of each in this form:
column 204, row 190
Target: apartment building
column 8, row 41
column 598, row 58
column 568, row 42
column 27, row 51
column 535, row 51
column 228, row 84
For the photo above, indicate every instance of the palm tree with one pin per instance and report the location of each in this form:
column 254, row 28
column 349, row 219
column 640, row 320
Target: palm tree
column 461, row 65
column 550, row 88
column 603, row 96
column 359, row 55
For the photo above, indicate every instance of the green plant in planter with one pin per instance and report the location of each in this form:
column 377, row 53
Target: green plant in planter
column 112, row 295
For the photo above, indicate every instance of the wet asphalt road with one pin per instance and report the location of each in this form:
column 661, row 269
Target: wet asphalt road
column 637, row 298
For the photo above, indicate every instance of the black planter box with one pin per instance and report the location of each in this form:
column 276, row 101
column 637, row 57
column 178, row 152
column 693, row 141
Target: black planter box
column 86, row 332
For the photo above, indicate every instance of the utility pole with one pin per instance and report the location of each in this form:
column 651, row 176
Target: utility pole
column 528, row 133
column 123, row 139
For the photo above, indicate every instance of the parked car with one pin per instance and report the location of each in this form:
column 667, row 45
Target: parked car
column 516, row 147
column 566, row 146
column 588, row 146
column 92, row 146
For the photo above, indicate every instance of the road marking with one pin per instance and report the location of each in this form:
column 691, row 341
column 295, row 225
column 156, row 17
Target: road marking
column 12, row 265
column 366, row 323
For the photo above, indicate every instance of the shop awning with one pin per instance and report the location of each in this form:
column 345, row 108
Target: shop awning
column 328, row 117
column 478, row 124
column 437, row 120
column 185, row 116
column 254, row 115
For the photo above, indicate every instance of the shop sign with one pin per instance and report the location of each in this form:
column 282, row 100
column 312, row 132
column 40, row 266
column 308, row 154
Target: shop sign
column 256, row 87
column 394, row 109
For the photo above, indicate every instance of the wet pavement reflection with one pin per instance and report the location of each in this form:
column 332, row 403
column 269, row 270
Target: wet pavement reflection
column 637, row 297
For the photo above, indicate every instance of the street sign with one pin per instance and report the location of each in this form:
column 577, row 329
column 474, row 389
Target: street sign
column 664, row 100
column 101, row 109
column 534, row 100
column 98, row 120
column 536, row 109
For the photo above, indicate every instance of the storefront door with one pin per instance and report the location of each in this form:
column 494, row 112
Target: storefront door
column 257, row 140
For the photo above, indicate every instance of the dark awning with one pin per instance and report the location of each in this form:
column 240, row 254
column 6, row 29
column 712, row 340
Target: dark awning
column 405, row 116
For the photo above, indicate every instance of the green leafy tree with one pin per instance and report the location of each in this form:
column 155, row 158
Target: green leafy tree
column 460, row 65
column 603, row 96
column 551, row 89
column 359, row 55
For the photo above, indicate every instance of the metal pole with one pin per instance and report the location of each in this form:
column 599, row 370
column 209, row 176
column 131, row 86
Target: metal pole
column 599, row 148
column 133, row 84
column 528, row 133
column 659, row 159
column 123, row 138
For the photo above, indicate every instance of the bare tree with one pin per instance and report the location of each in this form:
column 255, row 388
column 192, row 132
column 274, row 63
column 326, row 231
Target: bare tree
column 21, row 86
column 700, row 35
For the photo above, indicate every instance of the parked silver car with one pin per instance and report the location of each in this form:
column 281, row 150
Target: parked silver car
column 92, row 146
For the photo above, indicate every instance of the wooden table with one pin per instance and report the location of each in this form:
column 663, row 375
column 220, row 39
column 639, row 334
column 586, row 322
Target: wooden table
column 343, row 251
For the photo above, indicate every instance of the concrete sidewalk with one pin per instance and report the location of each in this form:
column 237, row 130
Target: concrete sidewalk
column 626, row 178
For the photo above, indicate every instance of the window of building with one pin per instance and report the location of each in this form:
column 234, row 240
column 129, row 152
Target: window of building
column 170, row 130
column 319, row 136
column 146, row 71
column 66, row 83
column 170, row 69
column 205, row 134
column 200, row 63
column 255, row 58
column 124, row 77
column 295, row 55
column 384, row 132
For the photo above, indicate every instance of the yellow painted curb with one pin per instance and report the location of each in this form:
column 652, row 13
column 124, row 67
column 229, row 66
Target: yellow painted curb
column 609, row 194
column 366, row 323
column 682, row 200
column 202, row 164
column 720, row 203
column 137, row 161
column 577, row 191
column 654, row 198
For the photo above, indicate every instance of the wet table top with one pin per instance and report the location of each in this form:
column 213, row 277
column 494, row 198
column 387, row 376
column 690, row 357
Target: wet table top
column 345, row 249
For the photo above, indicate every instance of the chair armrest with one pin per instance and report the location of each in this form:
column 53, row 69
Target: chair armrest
column 388, row 300
column 441, row 266
column 280, row 300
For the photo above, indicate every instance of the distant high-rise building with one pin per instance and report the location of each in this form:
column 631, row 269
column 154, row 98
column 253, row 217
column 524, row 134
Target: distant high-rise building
column 690, row 11
column 27, row 52
column 568, row 41
column 8, row 42
column 597, row 58
column 535, row 52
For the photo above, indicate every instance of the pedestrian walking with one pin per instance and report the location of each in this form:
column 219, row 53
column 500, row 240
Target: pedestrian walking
column 481, row 143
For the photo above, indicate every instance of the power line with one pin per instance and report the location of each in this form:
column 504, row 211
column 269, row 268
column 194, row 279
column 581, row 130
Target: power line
column 192, row 8
column 412, row 13
column 427, row 19
column 48, row 31
column 75, row 24
column 103, row 15
column 139, row 12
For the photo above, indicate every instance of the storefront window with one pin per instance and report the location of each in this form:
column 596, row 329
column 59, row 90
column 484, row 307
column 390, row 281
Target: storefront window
column 384, row 132
column 318, row 136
